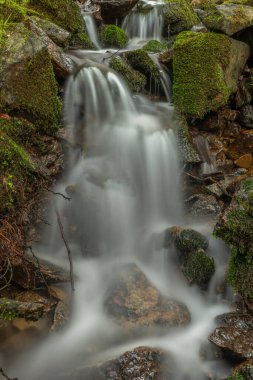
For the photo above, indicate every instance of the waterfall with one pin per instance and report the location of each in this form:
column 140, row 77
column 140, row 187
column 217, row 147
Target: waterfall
column 91, row 28
column 209, row 162
column 145, row 21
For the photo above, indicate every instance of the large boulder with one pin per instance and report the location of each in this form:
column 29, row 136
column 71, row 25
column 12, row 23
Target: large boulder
column 135, row 303
column 65, row 13
column 27, row 83
column 235, row 334
column 228, row 18
column 179, row 15
column 235, row 228
column 199, row 88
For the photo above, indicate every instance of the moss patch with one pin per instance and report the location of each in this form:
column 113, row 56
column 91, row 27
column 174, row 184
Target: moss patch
column 19, row 130
column 198, row 61
column 64, row 13
column 82, row 41
column 113, row 36
column 236, row 230
column 154, row 46
column 134, row 79
column 140, row 61
column 179, row 15
column 198, row 268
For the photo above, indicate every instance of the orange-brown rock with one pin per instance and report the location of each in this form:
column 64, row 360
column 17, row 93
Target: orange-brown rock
column 244, row 161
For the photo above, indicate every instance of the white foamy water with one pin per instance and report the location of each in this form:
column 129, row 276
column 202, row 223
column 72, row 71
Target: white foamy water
column 91, row 28
column 125, row 186
column 145, row 21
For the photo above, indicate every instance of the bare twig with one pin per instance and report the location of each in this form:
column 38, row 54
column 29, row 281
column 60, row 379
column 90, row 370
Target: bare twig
column 7, row 377
column 2, row 276
column 38, row 266
column 68, row 250
column 55, row 193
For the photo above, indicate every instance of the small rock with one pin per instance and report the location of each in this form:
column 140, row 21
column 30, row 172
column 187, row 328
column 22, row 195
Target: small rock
column 204, row 205
column 244, row 161
column 246, row 116
column 189, row 240
column 61, row 316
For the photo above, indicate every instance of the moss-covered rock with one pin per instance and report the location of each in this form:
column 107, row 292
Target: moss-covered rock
column 198, row 268
column 179, row 15
column 155, row 46
column 235, row 228
column 27, row 84
column 82, row 41
column 228, row 18
column 140, row 61
column 188, row 153
column 206, row 70
column 65, row 13
column 113, row 36
column 135, row 80
column 189, row 240
column 243, row 371
column 19, row 130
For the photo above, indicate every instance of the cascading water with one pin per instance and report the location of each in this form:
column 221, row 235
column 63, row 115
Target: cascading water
column 145, row 21
column 123, row 178
column 91, row 28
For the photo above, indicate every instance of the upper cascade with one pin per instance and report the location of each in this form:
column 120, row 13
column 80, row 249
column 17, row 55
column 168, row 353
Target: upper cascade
column 145, row 21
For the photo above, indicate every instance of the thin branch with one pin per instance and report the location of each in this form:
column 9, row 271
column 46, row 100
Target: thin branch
column 7, row 377
column 68, row 250
column 55, row 193
column 38, row 266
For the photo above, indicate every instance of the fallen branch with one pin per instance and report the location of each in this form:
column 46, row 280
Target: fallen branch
column 68, row 250
column 7, row 377
column 56, row 193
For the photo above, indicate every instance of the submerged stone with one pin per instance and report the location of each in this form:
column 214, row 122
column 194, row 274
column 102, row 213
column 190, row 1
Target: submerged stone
column 134, row 302
column 199, row 88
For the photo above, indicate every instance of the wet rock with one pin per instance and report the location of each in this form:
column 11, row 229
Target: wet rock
column 244, row 370
column 111, row 9
column 139, row 363
column 61, row 316
column 244, row 161
column 32, row 273
column 235, row 334
column 198, row 268
column 244, row 93
column 227, row 18
column 10, row 309
column 189, row 240
column 134, row 302
column 27, row 83
column 204, row 205
column 246, row 116
column 243, row 144
column 188, row 153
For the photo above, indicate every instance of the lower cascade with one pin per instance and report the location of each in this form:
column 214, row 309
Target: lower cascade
column 122, row 179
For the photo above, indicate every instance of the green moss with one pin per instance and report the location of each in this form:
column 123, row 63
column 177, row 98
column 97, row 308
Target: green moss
column 236, row 230
column 134, row 79
column 200, row 87
column 28, row 87
column 19, row 130
column 65, row 13
column 7, row 312
column 236, row 376
column 82, row 41
column 189, row 240
column 179, row 15
column 198, row 268
column 140, row 61
column 155, row 46
column 113, row 36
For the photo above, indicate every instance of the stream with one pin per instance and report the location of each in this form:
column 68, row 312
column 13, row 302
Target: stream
column 123, row 176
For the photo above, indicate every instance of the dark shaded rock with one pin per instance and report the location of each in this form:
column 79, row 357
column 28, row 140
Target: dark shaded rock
column 246, row 116
column 245, row 370
column 111, row 9
column 204, row 205
column 139, row 363
column 134, row 302
column 235, row 334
